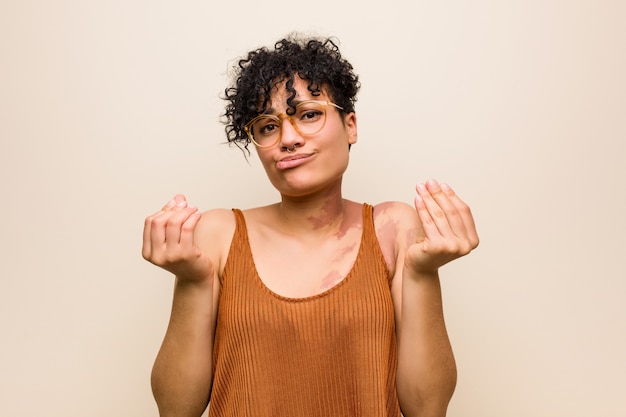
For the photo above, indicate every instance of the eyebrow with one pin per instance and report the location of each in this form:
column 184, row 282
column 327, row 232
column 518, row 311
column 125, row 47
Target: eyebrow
column 271, row 110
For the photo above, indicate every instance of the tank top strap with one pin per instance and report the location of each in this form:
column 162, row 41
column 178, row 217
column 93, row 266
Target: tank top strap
column 239, row 245
column 241, row 231
column 370, row 240
column 369, row 231
column 368, row 217
column 239, row 220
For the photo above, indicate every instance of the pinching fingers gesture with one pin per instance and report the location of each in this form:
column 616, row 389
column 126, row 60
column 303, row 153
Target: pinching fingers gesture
column 448, row 227
column 168, row 241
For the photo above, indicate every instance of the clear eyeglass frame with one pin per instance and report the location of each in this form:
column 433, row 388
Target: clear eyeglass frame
column 298, row 125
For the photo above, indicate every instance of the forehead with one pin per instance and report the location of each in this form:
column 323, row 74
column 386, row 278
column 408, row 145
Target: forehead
column 280, row 94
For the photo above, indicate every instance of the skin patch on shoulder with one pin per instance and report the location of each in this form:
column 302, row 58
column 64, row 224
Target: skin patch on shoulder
column 386, row 232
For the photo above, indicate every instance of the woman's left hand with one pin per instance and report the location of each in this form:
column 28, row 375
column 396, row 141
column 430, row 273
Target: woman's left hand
column 448, row 229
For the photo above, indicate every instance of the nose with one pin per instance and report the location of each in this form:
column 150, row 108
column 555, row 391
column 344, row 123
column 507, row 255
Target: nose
column 289, row 135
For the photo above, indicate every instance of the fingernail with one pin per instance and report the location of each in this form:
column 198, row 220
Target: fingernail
column 421, row 187
column 433, row 182
column 182, row 203
column 170, row 203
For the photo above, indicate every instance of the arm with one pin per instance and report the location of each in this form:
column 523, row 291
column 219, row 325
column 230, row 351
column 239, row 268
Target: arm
column 182, row 374
column 188, row 244
column 439, row 230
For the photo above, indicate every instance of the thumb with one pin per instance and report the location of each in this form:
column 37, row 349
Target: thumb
column 181, row 200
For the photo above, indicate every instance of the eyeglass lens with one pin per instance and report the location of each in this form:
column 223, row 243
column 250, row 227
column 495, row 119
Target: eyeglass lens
column 308, row 119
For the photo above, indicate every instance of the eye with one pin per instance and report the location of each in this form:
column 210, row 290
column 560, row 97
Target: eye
column 310, row 114
column 266, row 126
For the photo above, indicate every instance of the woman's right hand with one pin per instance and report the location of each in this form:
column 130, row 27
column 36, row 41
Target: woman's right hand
column 168, row 241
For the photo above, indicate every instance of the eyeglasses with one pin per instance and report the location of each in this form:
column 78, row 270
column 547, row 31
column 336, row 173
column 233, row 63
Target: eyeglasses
column 309, row 118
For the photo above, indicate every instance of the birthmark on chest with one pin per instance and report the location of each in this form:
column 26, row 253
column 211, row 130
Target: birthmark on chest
column 342, row 253
column 341, row 264
column 330, row 280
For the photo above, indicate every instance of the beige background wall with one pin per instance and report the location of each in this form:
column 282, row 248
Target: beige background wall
column 108, row 108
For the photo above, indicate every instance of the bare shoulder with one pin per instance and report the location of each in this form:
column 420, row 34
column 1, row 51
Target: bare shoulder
column 396, row 215
column 217, row 219
column 214, row 234
column 397, row 225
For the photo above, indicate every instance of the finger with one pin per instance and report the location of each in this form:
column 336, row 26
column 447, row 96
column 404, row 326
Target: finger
column 438, row 207
column 173, row 228
column 428, row 223
column 146, row 248
column 154, row 230
column 180, row 200
column 151, row 230
column 465, row 214
column 162, row 218
column 158, row 224
column 441, row 194
column 188, row 229
column 170, row 204
column 437, row 191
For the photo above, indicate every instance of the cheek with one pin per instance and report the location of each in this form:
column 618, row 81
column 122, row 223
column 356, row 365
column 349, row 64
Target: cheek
column 341, row 147
column 264, row 156
column 337, row 158
column 268, row 166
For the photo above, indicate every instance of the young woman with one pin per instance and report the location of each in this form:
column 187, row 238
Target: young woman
column 315, row 305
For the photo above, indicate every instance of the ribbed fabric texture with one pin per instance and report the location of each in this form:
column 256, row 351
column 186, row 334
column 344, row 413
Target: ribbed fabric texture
column 332, row 354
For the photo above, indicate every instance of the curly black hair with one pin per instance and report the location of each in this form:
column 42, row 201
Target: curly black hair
column 317, row 61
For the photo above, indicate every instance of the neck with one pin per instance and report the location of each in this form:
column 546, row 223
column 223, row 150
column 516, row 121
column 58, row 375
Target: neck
column 321, row 212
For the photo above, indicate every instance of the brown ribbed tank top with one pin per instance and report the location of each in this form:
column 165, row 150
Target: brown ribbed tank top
column 329, row 355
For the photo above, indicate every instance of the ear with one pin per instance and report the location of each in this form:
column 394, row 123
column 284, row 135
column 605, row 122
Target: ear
column 350, row 123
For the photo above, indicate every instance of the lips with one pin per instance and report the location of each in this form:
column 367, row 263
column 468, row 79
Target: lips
column 292, row 161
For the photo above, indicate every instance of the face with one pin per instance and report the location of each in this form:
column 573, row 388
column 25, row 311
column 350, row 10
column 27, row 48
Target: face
column 314, row 161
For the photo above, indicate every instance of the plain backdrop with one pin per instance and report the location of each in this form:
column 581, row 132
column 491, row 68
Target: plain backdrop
column 109, row 108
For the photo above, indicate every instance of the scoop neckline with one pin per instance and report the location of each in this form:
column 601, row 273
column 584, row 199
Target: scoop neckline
column 257, row 277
